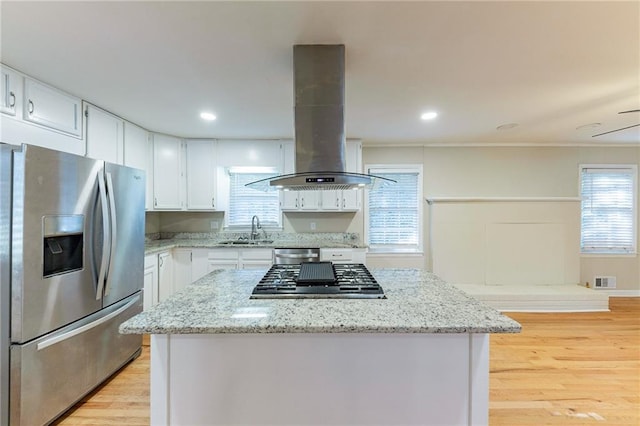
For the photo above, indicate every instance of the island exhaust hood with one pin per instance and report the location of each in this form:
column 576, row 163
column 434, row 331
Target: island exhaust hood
column 319, row 125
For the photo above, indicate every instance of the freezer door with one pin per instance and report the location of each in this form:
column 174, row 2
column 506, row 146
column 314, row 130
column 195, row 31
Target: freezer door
column 126, row 193
column 53, row 266
column 50, row 374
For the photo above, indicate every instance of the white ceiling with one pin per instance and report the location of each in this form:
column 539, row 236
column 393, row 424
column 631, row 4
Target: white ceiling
column 548, row 66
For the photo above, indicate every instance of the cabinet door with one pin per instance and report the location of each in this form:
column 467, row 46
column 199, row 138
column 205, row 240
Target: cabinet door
column 52, row 108
column 309, row 200
column 289, row 201
column 351, row 200
column 331, row 200
column 150, row 281
column 199, row 263
column 165, row 276
column 9, row 90
column 181, row 269
column 167, row 173
column 104, row 135
column 256, row 258
column 201, row 174
column 138, row 154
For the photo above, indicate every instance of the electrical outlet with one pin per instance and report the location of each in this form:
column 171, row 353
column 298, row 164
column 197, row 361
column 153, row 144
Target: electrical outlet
column 312, row 225
column 214, row 225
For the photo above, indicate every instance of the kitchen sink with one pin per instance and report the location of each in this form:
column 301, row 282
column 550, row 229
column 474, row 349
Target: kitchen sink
column 246, row 242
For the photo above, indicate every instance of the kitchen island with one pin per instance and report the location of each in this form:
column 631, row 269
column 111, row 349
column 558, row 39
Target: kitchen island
column 421, row 356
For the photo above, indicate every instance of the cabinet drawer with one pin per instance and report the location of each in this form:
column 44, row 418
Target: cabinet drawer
column 257, row 254
column 336, row 255
column 223, row 254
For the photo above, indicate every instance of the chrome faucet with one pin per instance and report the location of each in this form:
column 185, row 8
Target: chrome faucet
column 255, row 225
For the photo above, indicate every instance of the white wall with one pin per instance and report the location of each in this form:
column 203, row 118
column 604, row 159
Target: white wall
column 468, row 237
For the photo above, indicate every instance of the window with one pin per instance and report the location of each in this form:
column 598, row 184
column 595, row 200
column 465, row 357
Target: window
column 393, row 222
column 245, row 202
column 608, row 214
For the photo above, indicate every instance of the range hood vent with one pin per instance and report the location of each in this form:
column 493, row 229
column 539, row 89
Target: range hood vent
column 319, row 125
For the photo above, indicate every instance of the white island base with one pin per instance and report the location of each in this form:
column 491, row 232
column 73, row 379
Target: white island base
column 320, row 379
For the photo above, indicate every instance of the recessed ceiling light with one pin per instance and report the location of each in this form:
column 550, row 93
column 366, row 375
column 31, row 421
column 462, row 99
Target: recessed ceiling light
column 589, row 126
column 507, row 126
column 207, row 116
column 429, row 115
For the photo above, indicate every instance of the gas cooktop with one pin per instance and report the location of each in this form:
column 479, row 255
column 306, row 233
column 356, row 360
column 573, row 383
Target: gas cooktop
column 318, row 280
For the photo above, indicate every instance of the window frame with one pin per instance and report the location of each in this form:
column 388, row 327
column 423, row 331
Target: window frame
column 247, row 226
column 376, row 169
column 602, row 252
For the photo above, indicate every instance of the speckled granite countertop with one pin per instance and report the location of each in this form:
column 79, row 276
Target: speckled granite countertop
column 417, row 302
column 157, row 246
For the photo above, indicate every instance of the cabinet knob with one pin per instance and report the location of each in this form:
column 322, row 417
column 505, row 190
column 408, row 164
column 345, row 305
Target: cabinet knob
column 12, row 99
column 31, row 107
column 155, row 202
column 302, row 202
column 213, row 202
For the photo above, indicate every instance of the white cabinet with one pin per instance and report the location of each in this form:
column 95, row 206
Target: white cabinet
column 32, row 112
column 248, row 258
column 165, row 275
column 343, row 255
column 201, row 174
column 104, row 134
column 52, row 108
column 138, row 153
column 181, row 268
column 167, row 173
column 255, row 258
column 222, row 259
column 10, row 90
column 150, row 281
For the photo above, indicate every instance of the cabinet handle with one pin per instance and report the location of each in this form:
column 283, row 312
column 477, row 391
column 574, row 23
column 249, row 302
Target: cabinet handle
column 213, row 202
column 344, row 203
column 31, row 107
column 302, row 202
column 12, row 99
column 155, row 202
column 337, row 202
column 161, row 260
column 296, row 203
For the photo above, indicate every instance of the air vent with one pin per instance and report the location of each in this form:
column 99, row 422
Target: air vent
column 604, row 282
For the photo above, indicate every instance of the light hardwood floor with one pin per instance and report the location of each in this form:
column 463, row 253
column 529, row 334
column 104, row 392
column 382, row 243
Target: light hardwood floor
column 575, row 368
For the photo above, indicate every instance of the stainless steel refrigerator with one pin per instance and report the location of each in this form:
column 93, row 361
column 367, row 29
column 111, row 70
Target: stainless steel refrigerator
column 71, row 270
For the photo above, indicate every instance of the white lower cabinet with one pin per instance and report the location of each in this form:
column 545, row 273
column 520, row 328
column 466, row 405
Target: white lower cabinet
column 255, row 258
column 150, row 281
column 343, row 255
column 181, row 268
column 165, row 275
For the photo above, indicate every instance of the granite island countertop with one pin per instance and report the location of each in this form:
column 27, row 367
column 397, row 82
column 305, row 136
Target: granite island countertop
column 417, row 302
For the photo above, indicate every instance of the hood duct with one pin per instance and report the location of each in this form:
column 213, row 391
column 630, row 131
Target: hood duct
column 319, row 125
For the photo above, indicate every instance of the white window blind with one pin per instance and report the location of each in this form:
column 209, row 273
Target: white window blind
column 608, row 209
column 245, row 202
column 394, row 212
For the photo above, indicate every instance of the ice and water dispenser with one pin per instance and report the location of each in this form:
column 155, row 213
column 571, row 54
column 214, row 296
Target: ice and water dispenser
column 63, row 240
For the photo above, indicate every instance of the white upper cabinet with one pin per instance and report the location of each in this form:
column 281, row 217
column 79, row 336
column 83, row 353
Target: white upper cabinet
column 167, row 173
column 201, row 174
column 139, row 154
column 52, row 108
column 10, row 90
column 104, row 135
column 34, row 113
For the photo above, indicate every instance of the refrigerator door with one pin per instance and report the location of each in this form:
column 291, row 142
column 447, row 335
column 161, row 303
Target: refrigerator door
column 54, row 275
column 5, row 277
column 126, row 193
column 49, row 374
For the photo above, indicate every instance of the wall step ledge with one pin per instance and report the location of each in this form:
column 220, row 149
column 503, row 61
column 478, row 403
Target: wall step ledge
column 539, row 298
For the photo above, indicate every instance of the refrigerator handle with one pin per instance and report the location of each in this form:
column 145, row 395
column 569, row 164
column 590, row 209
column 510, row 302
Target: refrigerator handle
column 114, row 224
column 106, row 242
